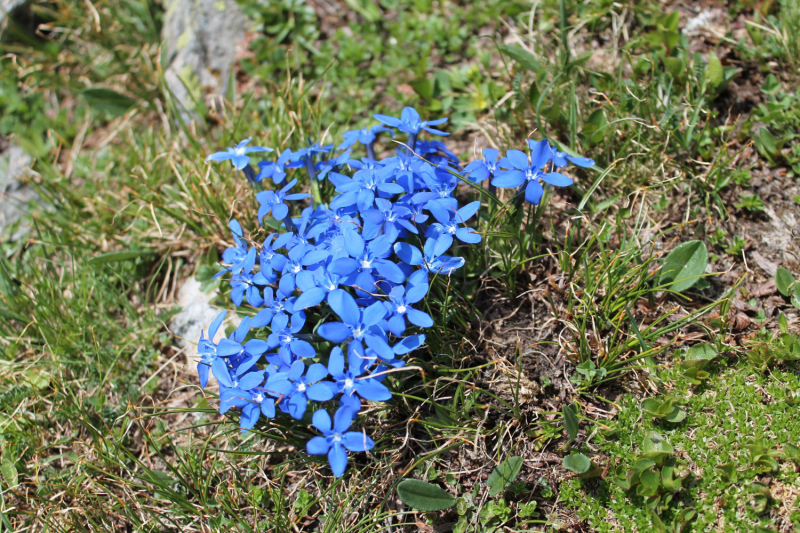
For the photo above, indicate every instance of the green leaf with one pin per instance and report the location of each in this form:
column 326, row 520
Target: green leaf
column 424, row 496
column 784, row 281
column 570, row 421
column 503, row 474
column 684, row 265
column 656, row 447
column 577, row 462
column 714, row 72
column 108, row 101
column 766, row 143
column 676, row 415
column 791, row 453
column 423, row 87
column 699, row 355
column 521, row 56
column 675, row 66
column 728, row 470
column 596, row 127
column 651, row 405
column 9, row 472
column 113, row 257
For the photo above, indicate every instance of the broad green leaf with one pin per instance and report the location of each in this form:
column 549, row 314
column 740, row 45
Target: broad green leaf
column 728, row 470
column 108, row 101
column 570, row 421
column 699, row 355
column 577, row 462
column 784, row 281
column 791, row 453
column 656, row 447
column 596, row 126
column 674, row 66
column 766, row 143
column 714, row 72
column 521, row 56
column 503, row 474
column 650, row 478
column 651, row 406
column 113, row 257
column 424, row 496
column 423, row 87
column 676, row 415
column 684, row 265
column 9, row 472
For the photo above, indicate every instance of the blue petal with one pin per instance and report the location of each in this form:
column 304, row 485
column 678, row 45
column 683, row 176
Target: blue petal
column 297, row 406
column 336, row 363
column 508, row 179
column 220, row 371
column 408, row 254
column 533, row 192
column 335, row 332
column 337, row 458
column 220, row 156
column 319, row 392
column 518, row 159
column 557, row 179
column 344, row 305
column 357, row 442
column 419, row 318
column 318, row 446
column 321, row 420
column 373, row 390
column 408, row 344
column 309, row 298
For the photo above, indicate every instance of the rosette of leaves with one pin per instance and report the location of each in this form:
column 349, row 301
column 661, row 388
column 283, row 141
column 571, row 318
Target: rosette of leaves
column 654, row 476
column 664, row 408
column 696, row 360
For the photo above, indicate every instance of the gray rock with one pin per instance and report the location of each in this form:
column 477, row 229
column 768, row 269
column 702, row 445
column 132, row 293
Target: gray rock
column 201, row 37
column 15, row 194
column 195, row 316
column 6, row 6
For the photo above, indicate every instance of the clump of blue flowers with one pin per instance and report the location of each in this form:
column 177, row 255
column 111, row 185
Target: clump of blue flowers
column 338, row 290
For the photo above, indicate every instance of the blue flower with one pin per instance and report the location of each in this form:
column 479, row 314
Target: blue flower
column 430, row 260
column 360, row 325
column 560, row 159
column 392, row 220
column 274, row 201
column 399, row 307
column 337, row 440
column 285, row 338
column 365, row 136
column 411, row 123
column 352, row 382
column 235, row 256
column 448, row 221
column 254, row 396
column 304, row 388
column 277, row 170
column 238, row 154
column 526, row 175
column 480, row 170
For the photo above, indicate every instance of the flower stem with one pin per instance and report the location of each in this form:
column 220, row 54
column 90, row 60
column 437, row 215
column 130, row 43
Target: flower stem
column 370, row 150
column 316, row 196
column 412, row 143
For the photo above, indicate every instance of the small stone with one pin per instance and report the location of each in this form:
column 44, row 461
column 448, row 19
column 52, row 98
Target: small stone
column 195, row 316
column 15, row 194
column 201, row 37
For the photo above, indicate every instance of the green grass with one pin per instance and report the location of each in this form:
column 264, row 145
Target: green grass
column 102, row 425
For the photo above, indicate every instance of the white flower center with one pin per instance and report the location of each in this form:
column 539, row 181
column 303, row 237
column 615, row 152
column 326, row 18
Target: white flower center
column 301, row 387
column 401, row 309
column 366, row 263
column 258, row 398
column 348, row 383
column 297, row 268
column 240, row 150
column 286, row 339
column 357, row 333
column 451, row 229
column 235, row 384
column 337, row 437
column 331, row 287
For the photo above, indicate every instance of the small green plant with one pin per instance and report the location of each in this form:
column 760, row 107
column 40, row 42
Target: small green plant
column 751, row 202
column 665, row 409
